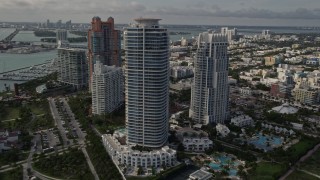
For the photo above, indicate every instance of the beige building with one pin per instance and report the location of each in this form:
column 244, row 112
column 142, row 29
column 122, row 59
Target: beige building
column 307, row 96
column 271, row 60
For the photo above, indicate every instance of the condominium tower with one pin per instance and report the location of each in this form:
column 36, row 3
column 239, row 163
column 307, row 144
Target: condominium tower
column 62, row 36
column 210, row 90
column 107, row 88
column 103, row 43
column 146, row 83
column 72, row 67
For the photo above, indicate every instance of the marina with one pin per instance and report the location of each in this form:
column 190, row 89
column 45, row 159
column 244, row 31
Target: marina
column 29, row 73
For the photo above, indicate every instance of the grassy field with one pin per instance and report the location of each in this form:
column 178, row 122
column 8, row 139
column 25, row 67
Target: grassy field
column 70, row 165
column 266, row 171
column 298, row 175
column 312, row 164
column 12, row 113
column 301, row 148
column 39, row 108
column 12, row 174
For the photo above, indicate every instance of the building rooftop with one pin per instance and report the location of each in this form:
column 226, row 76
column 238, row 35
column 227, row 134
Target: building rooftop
column 150, row 20
column 147, row 22
column 285, row 109
column 200, row 174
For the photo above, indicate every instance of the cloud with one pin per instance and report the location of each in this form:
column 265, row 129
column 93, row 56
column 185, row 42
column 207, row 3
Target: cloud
column 131, row 8
column 215, row 11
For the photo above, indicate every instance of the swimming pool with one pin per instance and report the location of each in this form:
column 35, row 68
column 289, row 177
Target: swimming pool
column 266, row 142
column 233, row 172
column 215, row 166
column 224, row 160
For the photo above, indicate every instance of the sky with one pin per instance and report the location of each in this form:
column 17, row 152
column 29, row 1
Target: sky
column 193, row 12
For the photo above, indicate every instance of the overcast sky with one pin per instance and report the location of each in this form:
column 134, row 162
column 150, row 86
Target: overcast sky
column 206, row 12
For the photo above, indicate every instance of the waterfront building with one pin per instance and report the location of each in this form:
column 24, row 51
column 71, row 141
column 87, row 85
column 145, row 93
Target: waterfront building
column 147, row 83
column 103, row 43
column 107, row 88
column 72, row 67
column 126, row 155
column 62, row 36
column 210, row 89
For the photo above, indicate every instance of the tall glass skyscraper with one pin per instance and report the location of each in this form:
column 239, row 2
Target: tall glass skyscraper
column 147, row 83
column 210, row 89
column 72, row 67
column 103, row 44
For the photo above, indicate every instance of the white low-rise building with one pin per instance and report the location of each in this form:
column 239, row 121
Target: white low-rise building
column 197, row 144
column 181, row 71
column 246, row 91
column 124, row 155
column 200, row 175
column 222, row 130
column 241, row 121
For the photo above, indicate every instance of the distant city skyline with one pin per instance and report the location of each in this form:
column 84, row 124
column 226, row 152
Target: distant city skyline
column 200, row 12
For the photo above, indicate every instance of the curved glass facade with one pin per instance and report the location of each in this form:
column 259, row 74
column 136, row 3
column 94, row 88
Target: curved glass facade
column 147, row 84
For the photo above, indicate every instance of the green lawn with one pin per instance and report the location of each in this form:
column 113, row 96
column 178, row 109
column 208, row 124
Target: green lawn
column 298, row 175
column 12, row 174
column 41, row 107
column 12, row 113
column 299, row 149
column 312, row 164
column 69, row 165
column 36, row 108
column 266, row 171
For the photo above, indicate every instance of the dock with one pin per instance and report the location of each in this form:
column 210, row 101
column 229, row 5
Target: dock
column 30, row 72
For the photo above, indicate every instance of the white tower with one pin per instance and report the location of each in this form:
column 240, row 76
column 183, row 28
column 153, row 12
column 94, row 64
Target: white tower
column 107, row 88
column 210, row 89
column 147, row 83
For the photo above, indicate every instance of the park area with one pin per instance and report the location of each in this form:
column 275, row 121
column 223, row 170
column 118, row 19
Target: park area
column 267, row 171
column 309, row 169
column 12, row 111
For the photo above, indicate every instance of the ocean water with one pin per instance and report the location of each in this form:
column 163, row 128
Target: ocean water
column 5, row 32
column 10, row 62
column 13, row 61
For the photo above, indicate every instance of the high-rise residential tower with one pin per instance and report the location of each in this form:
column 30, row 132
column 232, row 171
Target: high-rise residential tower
column 62, row 36
column 210, row 89
column 72, row 66
column 146, row 83
column 107, row 88
column 230, row 33
column 103, row 43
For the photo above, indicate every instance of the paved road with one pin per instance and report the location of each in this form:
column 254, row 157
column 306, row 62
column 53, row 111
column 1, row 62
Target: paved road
column 57, row 119
column 27, row 165
column 81, row 138
column 310, row 173
column 236, row 147
column 303, row 158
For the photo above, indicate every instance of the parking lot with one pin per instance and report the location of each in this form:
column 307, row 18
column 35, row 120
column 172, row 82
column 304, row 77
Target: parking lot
column 49, row 140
